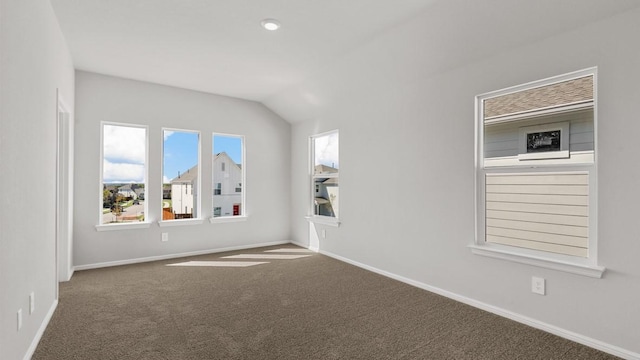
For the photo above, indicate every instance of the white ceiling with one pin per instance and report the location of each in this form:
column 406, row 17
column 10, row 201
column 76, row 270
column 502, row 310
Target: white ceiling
column 218, row 46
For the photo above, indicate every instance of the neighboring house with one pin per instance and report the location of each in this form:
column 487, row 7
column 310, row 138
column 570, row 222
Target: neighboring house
column 139, row 192
column 227, row 186
column 166, row 191
column 127, row 192
column 184, row 196
column 326, row 192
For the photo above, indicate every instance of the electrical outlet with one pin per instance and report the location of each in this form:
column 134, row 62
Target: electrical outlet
column 537, row 285
column 165, row 236
column 32, row 302
column 19, row 319
column 324, row 233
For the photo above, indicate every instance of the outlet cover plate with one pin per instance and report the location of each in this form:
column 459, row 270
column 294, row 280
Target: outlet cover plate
column 32, row 303
column 538, row 285
column 19, row 319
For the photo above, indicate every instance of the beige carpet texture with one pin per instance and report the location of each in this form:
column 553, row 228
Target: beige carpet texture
column 307, row 306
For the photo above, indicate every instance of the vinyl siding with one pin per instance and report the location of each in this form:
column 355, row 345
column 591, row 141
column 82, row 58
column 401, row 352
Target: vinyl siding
column 502, row 140
column 541, row 211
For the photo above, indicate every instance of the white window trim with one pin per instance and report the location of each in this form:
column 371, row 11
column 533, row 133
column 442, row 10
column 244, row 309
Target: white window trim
column 198, row 189
column 118, row 226
column 324, row 220
column 575, row 265
column 243, row 194
column 319, row 219
column 124, row 226
column 180, row 222
column 228, row 219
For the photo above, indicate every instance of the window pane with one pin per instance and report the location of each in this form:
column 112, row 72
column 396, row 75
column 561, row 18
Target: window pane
column 325, row 159
column 228, row 173
column 123, row 173
column 326, row 154
column 325, row 202
column 180, row 175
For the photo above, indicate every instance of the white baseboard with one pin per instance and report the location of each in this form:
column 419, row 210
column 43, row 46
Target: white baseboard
column 581, row 339
column 173, row 256
column 306, row 246
column 40, row 332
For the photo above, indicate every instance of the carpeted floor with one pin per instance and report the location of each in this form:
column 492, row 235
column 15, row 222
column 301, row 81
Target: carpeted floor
column 312, row 307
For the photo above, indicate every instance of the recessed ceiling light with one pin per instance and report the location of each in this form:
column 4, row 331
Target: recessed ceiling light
column 270, row 24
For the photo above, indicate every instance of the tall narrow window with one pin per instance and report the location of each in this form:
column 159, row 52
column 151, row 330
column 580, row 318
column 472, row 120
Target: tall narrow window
column 228, row 174
column 180, row 174
column 324, row 178
column 124, row 173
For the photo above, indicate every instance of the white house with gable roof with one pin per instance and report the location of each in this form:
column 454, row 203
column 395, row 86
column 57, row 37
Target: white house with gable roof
column 227, row 186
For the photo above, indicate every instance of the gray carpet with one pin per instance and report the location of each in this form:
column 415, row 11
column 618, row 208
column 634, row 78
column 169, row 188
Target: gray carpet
column 307, row 308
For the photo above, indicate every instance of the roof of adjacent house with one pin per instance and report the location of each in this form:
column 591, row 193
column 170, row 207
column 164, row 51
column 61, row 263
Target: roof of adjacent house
column 218, row 155
column 324, row 169
column 187, row 177
column 330, row 181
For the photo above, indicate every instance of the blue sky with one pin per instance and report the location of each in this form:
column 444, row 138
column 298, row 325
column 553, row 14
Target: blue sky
column 124, row 150
column 232, row 145
column 180, row 153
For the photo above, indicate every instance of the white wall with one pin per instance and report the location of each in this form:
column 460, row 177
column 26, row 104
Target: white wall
column 34, row 62
column 267, row 136
column 404, row 105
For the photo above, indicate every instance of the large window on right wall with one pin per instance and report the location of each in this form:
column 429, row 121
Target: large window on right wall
column 536, row 189
column 325, row 176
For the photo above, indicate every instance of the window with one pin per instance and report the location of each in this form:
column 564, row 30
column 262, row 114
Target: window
column 536, row 193
column 180, row 160
column 124, row 173
column 324, row 178
column 228, row 175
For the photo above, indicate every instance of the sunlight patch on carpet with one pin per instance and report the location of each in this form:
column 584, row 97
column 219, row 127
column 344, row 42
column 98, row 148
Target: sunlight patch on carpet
column 265, row 256
column 285, row 250
column 219, row 263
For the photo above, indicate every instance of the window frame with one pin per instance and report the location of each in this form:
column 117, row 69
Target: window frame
column 122, row 226
column 312, row 217
column 582, row 266
column 243, row 178
column 198, row 203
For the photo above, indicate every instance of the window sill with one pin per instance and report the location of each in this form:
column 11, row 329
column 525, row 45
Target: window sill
column 324, row 220
column 228, row 219
column 123, row 226
column 180, row 222
column 566, row 266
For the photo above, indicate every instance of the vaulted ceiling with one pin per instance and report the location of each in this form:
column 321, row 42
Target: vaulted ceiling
column 219, row 46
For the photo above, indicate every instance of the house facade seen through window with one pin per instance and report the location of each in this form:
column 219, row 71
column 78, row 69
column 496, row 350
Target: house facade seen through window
column 181, row 176
column 325, row 175
column 536, row 192
column 228, row 175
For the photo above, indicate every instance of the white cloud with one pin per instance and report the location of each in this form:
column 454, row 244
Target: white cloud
column 327, row 150
column 165, row 180
column 122, row 172
column 168, row 133
column 124, row 144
